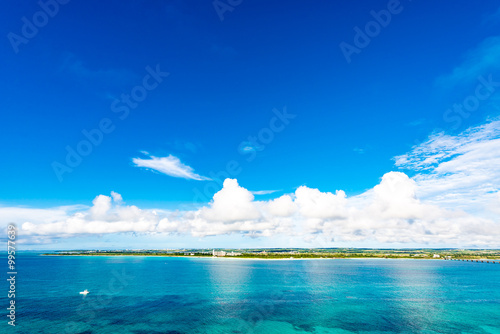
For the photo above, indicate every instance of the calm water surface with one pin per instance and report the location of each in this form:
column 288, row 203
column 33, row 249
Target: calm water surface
column 185, row 295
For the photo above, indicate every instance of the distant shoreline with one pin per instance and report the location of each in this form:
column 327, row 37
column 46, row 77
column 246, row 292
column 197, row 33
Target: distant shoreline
column 291, row 254
column 281, row 258
column 252, row 258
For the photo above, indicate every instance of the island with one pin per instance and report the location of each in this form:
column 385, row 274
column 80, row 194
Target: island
column 299, row 253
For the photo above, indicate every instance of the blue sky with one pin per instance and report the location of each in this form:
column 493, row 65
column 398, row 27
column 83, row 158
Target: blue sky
column 230, row 80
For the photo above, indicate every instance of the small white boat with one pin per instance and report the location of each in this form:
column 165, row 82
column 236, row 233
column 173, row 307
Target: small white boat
column 84, row 292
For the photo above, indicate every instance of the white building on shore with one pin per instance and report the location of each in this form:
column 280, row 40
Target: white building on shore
column 223, row 253
column 218, row 253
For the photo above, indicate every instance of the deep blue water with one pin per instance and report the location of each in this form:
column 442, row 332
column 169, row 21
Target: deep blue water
column 186, row 295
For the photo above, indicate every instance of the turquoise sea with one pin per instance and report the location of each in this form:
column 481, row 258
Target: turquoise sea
column 148, row 295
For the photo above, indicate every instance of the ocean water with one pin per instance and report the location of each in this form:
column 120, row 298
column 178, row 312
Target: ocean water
column 148, row 295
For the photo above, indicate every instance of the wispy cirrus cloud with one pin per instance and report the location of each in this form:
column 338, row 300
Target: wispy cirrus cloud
column 461, row 171
column 170, row 165
column 77, row 69
column 416, row 122
column 359, row 150
column 492, row 19
column 481, row 60
column 264, row 192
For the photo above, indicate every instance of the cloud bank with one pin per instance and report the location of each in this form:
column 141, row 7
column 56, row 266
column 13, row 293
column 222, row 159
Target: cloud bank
column 453, row 200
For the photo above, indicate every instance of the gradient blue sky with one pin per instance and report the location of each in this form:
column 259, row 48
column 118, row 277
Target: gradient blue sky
column 225, row 79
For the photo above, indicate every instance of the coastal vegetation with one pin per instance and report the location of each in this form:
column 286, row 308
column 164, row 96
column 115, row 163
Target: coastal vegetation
column 300, row 253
